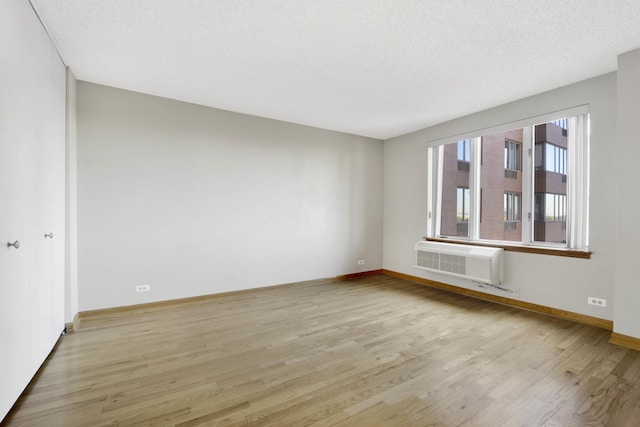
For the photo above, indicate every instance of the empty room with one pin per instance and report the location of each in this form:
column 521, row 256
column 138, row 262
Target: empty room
column 319, row 213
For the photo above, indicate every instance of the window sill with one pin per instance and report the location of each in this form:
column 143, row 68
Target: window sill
column 571, row 253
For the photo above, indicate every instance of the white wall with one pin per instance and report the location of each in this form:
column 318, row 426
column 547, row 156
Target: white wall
column 195, row 201
column 627, row 320
column 559, row 282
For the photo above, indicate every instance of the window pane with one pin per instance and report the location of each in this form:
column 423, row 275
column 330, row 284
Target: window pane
column 462, row 202
column 556, row 158
column 500, row 181
column 454, row 212
column 550, row 182
column 464, row 150
column 511, row 207
column 549, row 204
column 538, row 207
column 506, row 207
column 512, row 155
column 550, row 157
column 539, row 157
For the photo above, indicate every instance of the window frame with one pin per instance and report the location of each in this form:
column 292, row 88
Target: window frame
column 513, row 201
column 513, row 155
column 558, row 201
column 559, row 159
column 435, row 154
column 465, row 204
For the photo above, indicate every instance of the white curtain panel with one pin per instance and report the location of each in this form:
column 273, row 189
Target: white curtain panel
column 578, row 182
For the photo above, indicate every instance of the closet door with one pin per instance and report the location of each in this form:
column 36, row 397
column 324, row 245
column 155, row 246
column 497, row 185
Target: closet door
column 32, row 132
column 15, row 184
column 47, row 232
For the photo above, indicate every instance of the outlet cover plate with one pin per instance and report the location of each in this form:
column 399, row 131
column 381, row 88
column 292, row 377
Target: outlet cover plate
column 598, row 302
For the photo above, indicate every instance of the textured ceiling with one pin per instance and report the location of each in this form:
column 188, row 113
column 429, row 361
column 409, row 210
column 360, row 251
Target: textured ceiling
column 367, row 67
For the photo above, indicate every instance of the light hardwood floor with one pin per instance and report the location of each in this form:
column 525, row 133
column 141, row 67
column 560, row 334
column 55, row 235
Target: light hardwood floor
column 376, row 351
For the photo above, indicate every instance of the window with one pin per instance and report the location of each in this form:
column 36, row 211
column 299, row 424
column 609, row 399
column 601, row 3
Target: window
column 551, row 158
column 511, row 215
column 550, row 218
column 462, row 212
column 464, row 155
column 537, row 170
column 464, row 150
column 555, row 207
column 555, row 159
column 512, row 156
column 455, row 202
column 463, row 205
column 561, row 123
column 511, row 207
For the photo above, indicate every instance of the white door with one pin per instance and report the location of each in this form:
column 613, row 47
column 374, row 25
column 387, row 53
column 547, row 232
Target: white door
column 14, row 261
column 48, row 215
column 32, row 135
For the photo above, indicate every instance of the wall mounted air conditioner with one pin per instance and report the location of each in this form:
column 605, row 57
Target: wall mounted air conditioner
column 478, row 263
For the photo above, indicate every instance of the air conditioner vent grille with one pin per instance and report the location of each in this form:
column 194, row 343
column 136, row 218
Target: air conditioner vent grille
column 443, row 262
column 453, row 263
column 478, row 263
column 429, row 259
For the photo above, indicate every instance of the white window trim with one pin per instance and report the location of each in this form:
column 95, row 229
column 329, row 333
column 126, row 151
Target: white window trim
column 530, row 121
column 528, row 169
column 577, row 179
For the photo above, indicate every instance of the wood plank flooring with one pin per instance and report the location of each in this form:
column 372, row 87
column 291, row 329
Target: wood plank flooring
column 376, row 351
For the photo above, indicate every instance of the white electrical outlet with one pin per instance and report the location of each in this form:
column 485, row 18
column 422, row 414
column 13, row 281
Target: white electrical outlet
column 600, row 302
column 360, row 262
column 143, row 288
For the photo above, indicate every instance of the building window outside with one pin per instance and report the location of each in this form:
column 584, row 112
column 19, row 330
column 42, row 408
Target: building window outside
column 550, row 207
column 538, row 214
column 462, row 210
column 550, row 223
column 464, row 150
column 561, row 123
column 511, row 207
column 512, row 155
column 555, row 159
column 555, row 207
